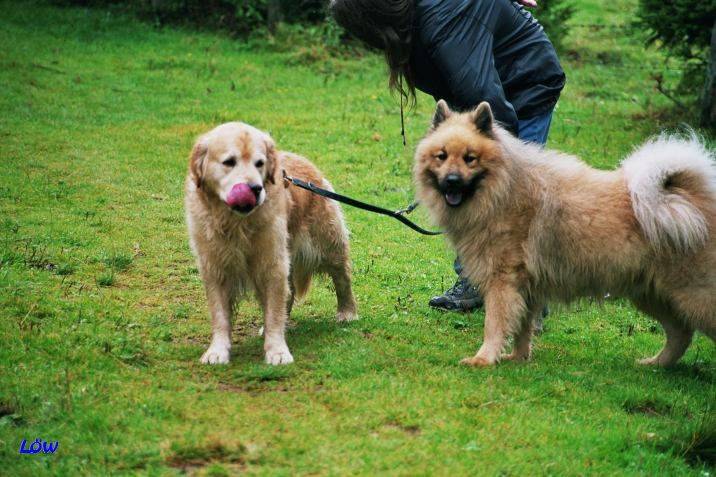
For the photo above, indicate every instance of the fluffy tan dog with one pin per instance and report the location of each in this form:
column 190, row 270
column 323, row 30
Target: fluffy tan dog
column 532, row 225
column 249, row 232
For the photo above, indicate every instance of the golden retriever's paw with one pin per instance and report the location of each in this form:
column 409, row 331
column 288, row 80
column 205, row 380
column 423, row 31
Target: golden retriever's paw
column 279, row 355
column 344, row 316
column 216, row 355
column 477, row 362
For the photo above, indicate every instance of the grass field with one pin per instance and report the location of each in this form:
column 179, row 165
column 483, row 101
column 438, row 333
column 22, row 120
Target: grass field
column 103, row 317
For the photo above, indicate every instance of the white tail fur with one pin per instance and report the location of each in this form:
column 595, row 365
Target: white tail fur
column 661, row 176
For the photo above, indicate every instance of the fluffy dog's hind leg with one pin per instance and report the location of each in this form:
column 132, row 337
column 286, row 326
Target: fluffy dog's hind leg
column 504, row 311
column 678, row 336
column 678, row 339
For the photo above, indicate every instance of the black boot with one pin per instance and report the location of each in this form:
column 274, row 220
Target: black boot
column 461, row 297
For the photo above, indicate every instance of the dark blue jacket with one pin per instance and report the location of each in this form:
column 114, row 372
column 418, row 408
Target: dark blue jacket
column 467, row 51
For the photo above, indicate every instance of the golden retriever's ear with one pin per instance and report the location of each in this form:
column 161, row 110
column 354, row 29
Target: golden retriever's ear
column 272, row 168
column 482, row 118
column 197, row 162
column 442, row 112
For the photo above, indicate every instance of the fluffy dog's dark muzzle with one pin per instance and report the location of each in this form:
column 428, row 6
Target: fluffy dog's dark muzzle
column 456, row 190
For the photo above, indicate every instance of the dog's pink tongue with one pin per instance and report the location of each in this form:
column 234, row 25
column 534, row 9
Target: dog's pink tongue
column 453, row 198
column 242, row 196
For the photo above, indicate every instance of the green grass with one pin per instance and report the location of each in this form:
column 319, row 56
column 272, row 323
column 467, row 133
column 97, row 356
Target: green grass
column 103, row 317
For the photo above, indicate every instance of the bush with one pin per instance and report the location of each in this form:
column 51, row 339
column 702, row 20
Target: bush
column 553, row 15
column 238, row 17
column 686, row 29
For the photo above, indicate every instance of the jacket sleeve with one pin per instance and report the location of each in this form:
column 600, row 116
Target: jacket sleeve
column 462, row 52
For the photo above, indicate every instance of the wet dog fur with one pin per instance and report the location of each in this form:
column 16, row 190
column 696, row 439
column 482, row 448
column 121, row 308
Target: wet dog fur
column 533, row 225
column 273, row 248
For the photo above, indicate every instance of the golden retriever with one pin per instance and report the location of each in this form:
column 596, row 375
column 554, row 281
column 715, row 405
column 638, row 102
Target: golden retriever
column 250, row 232
column 533, row 225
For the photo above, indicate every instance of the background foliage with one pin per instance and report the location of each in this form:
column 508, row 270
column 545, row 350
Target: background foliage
column 684, row 28
column 235, row 16
column 554, row 16
column 279, row 22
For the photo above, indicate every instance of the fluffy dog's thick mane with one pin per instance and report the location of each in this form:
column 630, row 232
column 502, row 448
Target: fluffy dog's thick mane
column 532, row 154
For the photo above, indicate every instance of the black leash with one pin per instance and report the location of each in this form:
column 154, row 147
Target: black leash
column 398, row 214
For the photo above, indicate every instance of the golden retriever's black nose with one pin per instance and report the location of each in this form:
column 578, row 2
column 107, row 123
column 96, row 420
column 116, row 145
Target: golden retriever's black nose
column 256, row 189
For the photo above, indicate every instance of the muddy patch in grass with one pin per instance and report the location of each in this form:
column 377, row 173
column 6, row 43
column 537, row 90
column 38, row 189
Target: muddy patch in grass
column 647, row 407
column 9, row 415
column 697, row 446
column 252, row 388
column 189, row 458
column 396, row 425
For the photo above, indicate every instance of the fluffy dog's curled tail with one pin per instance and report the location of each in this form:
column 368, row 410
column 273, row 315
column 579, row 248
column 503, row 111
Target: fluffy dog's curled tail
column 672, row 182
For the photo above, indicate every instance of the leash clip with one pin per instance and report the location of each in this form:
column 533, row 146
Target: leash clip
column 408, row 209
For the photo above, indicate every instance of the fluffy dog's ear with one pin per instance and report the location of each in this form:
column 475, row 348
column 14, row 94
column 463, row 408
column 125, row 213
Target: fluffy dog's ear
column 197, row 162
column 271, row 159
column 482, row 118
column 442, row 112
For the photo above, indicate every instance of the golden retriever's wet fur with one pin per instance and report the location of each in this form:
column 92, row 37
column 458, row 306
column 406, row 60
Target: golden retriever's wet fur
column 273, row 249
column 532, row 225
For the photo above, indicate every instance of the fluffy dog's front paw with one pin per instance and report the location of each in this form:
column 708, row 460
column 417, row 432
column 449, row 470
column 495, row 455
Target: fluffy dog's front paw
column 279, row 355
column 477, row 362
column 216, row 354
column 655, row 361
column 348, row 315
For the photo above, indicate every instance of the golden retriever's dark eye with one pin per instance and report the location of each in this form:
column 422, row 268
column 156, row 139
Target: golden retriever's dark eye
column 259, row 163
column 469, row 158
column 230, row 162
column 442, row 155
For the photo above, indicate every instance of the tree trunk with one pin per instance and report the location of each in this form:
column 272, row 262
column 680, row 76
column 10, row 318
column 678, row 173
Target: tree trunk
column 708, row 102
column 273, row 14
